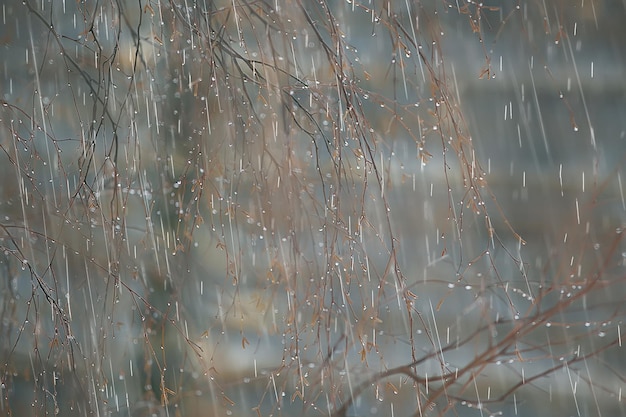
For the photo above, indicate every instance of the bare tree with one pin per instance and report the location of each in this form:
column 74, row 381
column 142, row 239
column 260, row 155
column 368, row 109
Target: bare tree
column 326, row 208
